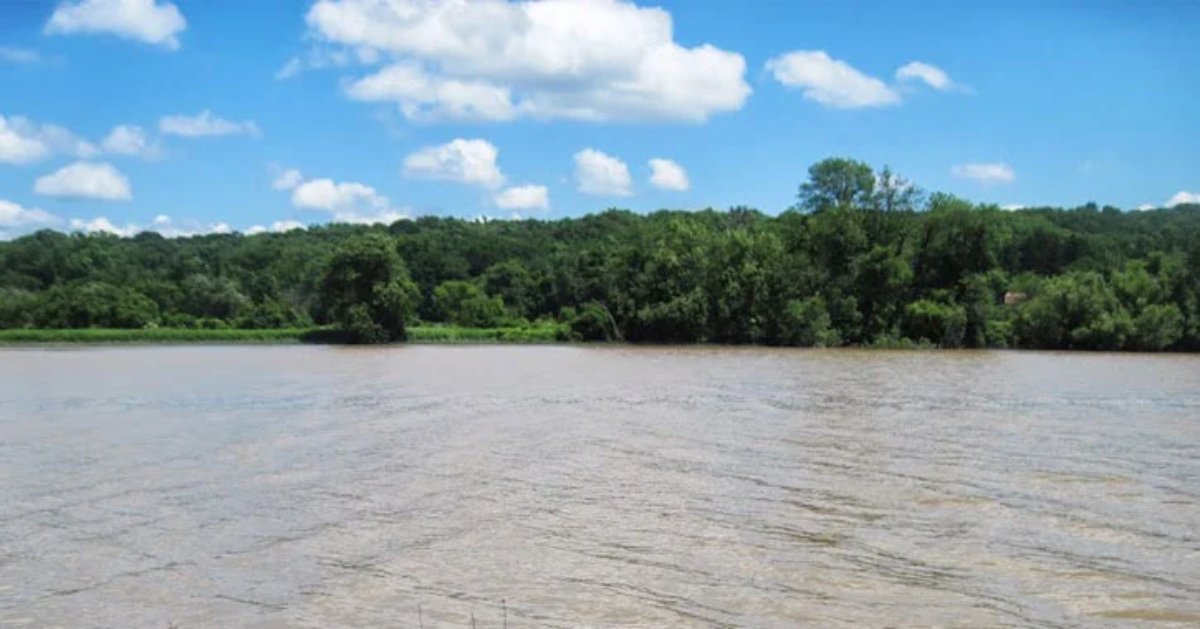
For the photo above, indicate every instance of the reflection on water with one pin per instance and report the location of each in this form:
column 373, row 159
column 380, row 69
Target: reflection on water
column 325, row 487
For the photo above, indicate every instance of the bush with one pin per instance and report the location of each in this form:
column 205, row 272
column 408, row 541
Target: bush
column 941, row 324
column 807, row 324
column 592, row 322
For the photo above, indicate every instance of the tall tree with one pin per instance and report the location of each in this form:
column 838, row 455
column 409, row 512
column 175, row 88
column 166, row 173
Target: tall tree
column 894, row 193
column 367, row 291
column 837, row 182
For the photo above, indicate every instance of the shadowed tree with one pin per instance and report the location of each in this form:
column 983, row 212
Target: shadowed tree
column 367, row 291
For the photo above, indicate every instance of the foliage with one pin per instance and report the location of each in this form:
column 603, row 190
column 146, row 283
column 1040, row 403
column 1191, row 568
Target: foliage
column 544, row 332
column 837, row 183
column 154, row 335
column 367, row 292
column 591, row 322
column 870, row 261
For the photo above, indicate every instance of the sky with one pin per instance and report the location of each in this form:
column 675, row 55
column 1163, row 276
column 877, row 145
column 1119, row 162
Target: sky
column 196, row 116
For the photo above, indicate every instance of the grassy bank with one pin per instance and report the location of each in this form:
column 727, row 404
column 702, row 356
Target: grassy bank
column 535, row 333
column 154, row 335
column 539, row 333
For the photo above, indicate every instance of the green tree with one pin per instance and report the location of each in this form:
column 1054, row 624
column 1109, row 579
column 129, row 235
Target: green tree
column 894, row 193
column 367, row 291
column 837, row 182
column 512, row 282
column 939, row 323
column 807, row 324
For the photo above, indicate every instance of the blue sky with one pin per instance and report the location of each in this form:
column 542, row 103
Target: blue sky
column 196, row 116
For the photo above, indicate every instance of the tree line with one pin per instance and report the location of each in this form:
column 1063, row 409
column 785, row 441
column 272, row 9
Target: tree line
column 864, row 258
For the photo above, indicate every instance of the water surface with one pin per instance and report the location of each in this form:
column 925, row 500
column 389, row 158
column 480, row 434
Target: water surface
column 613, row 486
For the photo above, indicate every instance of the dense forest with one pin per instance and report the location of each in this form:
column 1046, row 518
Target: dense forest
column 864, row 258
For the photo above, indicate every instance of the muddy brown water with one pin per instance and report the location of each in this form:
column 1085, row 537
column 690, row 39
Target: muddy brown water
column 296, row 486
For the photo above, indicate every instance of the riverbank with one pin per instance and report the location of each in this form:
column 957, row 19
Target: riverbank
column 430, row 334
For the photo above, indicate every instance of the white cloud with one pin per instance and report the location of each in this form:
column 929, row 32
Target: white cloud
column 129, row 140
column 1145, row 207
column 668, row 175
column 1012, row 207
column 830, row 82
column 325, row 194
column 13, row 215
column 167, row 227
column 382, row 217
column 287, row 226
column 583, row 60
column 324, row 56
column 932, row 76
column 597, row 173
column 425, row 97
column 1183, row 197
column 985, row 173
column 146, row 21
column 464, row 161
column 287, row 179
column 23, row 141
column 102, row 224
column 161, row 224
column 19, row 146
column 19, row 56
column 523, row 198
column 277, row 226
column 85, row 180
column 345, row 201
column 290, row 69
column 205, row 124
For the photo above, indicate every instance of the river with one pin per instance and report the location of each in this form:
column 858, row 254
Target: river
column 562, row 486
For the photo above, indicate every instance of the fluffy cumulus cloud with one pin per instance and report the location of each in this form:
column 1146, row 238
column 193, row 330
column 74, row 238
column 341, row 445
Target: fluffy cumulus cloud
column 287, row 179
column 147, row 21
column 930, row 75
column 463, row 161
column 523, row 198
column 85, row 180
column 830, row 82
column 102, row 224
column 344, row 201
column 597, row 173
column 668, row 175
column 162, row 224
column 992, row 173
column 15, row 218
column 1183, row 197
column 24, row 141
column 277, row 226
column 422, row 96
column 331, row 196
column 836, row 84
column 583, row 60
column 205, row 124
column 129, row 140
column 170, row 228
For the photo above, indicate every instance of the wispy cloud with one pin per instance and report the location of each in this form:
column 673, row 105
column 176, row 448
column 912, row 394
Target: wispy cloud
column 985, row 173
